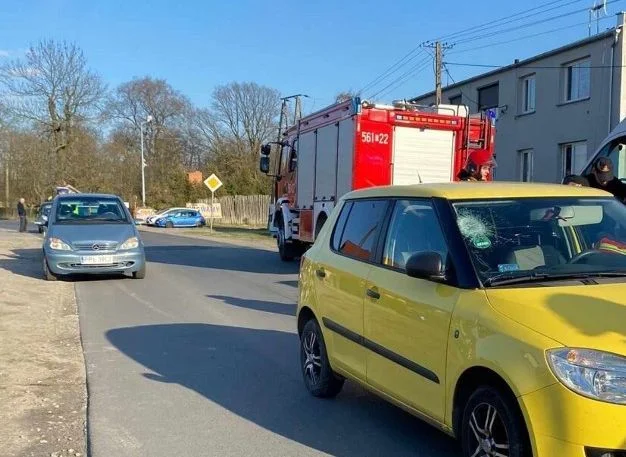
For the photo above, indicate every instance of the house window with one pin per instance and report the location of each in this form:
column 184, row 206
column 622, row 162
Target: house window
column 488, row 97
column 577, row 80
column 456, row 100
column 528, row 94
column 574, row 157
column 526, row 165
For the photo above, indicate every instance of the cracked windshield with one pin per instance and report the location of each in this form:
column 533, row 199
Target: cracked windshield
column 549, row 236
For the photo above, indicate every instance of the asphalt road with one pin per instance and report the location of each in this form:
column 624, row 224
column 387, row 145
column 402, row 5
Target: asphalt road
column 201, row 359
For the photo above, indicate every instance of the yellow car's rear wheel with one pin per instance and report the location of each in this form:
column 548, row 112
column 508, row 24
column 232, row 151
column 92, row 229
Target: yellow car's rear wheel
column 319, row 377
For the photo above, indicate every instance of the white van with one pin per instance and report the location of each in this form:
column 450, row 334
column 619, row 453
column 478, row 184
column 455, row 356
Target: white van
column 613, row 147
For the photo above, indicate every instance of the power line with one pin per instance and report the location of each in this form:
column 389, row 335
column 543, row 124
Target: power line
column 402, row 62
column 499, row 22
column 463, row 94
column 529, row 24
column 525, row 37
column 389, row 71
column 403, row 77
column 419, row 67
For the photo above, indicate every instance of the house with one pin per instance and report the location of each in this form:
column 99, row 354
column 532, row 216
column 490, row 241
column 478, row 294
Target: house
column 552, row 110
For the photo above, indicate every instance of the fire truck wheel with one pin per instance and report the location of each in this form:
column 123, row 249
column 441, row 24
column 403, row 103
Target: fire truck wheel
column 284, row 250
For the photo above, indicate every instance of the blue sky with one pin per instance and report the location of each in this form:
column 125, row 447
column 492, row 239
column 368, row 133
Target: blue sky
column 317, row 47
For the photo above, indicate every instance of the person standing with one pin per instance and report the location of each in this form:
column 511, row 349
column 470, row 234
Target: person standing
column 21, row 212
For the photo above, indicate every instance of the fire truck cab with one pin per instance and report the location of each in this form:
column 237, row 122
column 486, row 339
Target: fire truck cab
column 356, row 144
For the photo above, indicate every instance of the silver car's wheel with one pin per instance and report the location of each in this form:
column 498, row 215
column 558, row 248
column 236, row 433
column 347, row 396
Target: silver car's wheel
column 47, row 274
column 140, row 274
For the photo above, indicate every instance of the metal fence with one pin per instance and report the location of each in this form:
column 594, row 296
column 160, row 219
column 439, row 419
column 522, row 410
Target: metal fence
column 251, row 210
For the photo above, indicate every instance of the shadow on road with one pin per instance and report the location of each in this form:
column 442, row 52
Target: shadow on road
column 221, row 257
column 258, row 305
column 23, row 262
column 255, row 375
column 289, row 283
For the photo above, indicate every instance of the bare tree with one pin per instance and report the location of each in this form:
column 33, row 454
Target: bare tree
column 345, row 95
column 167, row 145
column 53, row 88
column 246, row 112
column 135, row 100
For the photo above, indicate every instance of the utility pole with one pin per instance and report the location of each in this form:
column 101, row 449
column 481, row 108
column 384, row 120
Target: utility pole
column 439, row 48
column 7, row 195
column 143, row 163
column 438, row 64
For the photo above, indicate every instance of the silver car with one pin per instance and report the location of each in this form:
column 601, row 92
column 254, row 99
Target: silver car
column 93, row 234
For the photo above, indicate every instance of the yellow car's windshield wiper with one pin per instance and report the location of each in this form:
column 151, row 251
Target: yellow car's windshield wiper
column 510, row 278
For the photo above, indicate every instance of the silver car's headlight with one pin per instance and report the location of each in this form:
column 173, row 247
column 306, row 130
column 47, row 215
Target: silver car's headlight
column 58, row 245
column 594, row 374
column 131, row 243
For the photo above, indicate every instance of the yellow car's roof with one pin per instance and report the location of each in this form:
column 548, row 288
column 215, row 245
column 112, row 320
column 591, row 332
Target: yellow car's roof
column 478, row 190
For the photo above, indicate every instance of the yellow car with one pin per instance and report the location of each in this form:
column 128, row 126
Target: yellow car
column 496, row 312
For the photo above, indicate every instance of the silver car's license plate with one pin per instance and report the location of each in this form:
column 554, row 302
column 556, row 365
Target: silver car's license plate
column 98, row 260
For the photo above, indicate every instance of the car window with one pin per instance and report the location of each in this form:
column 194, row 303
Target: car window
column 87, row 209
column 551, row 236
column 361, row 229
column 340, row 225
column 414, row 228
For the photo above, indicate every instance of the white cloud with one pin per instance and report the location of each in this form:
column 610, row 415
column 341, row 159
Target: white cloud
column 4, row 53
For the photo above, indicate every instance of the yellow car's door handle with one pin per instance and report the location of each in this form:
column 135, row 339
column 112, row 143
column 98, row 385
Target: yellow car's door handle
column 373, row 294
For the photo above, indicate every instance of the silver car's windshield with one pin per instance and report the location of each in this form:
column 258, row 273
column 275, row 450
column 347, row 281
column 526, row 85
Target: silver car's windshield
column 529, row 239
column 90, row 210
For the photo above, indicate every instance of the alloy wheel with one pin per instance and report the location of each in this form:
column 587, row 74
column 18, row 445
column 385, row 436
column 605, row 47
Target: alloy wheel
column 489, row 436
column 312, row 357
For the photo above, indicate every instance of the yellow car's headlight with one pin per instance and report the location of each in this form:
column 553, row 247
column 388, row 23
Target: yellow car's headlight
column 58, row 245
column 594, row 374
column 131, row 243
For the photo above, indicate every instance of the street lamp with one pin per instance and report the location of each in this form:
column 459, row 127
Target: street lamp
column 143, row 163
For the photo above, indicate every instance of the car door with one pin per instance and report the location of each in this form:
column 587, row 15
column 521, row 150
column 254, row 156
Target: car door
column 187, row 218
column 342, row 273
column 178, row 218
column 407, row 320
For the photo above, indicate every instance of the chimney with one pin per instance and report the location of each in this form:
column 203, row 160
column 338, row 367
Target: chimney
column 621, row 19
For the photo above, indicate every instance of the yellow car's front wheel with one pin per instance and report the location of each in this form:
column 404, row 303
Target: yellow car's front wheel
column 493, row 426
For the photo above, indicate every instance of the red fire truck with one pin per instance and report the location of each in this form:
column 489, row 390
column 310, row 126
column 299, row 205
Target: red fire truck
column 354, row 144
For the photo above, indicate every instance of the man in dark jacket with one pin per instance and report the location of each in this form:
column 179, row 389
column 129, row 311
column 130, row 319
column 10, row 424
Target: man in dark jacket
column 602, row 177
column 21, row 212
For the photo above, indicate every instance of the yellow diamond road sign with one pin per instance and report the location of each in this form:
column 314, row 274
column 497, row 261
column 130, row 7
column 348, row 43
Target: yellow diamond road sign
column 213, row 183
